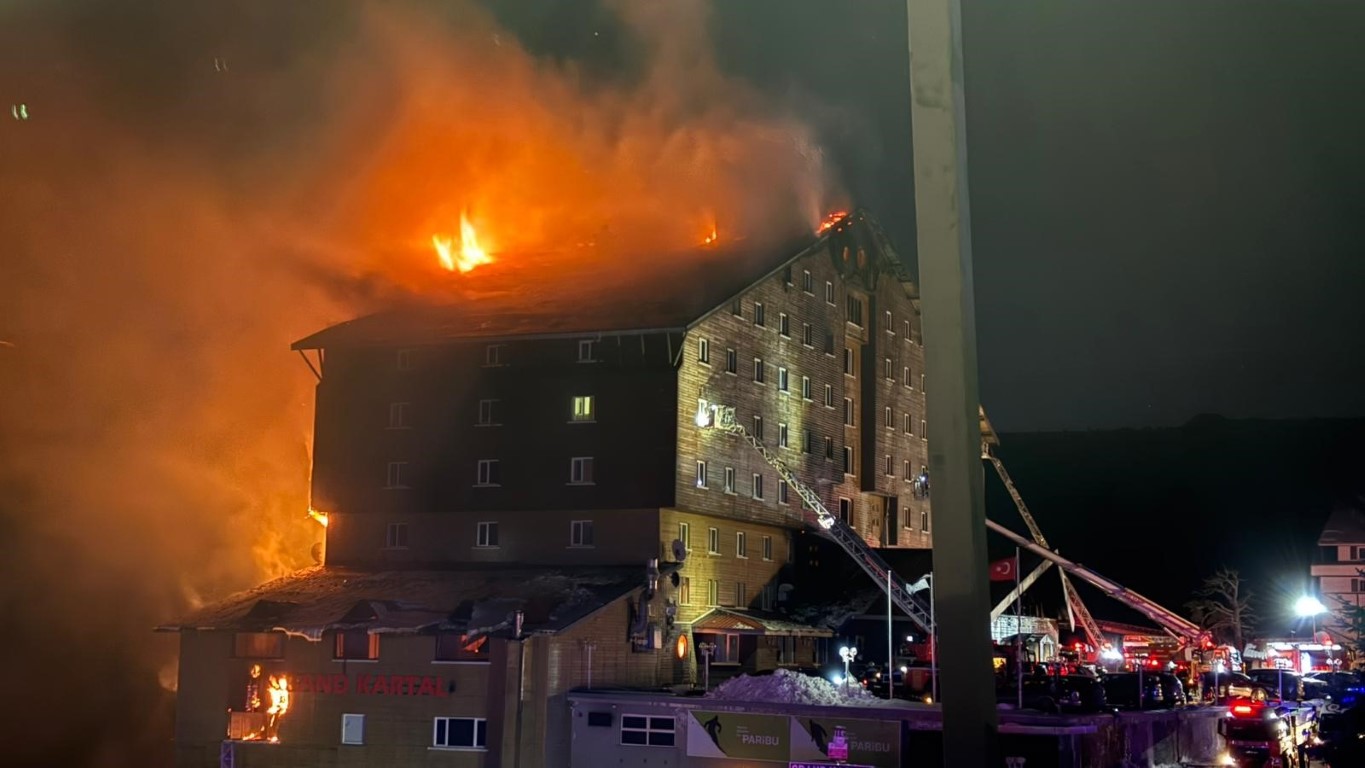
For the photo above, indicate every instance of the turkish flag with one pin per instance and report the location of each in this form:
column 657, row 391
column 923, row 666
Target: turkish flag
column 1004, row 570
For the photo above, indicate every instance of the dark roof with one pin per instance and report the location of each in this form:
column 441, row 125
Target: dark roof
column 564, row 293
column 1346, row 525
column 745, row 621
column 480, row 601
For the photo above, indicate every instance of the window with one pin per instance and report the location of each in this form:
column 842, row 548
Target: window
column 829, row 396
column 787, row 275
column 806, row 438
column 805, row 387
column 888, row 418
column 580, row 533
column 923, row 430
column 829, row 292
column 782, row 436
column 487, row 535
column 807, row 335
column 742, row 542
column 850, row 368
column 829, row 344
column 848, row 459
column 459, row 646
column 406, row 358
column 398, row 415
column 767, row 548
column 905, row 470
column 397, row 536
column 729, row 479
column 784, row 324
column 712, row 592
column 736, row 308
column 356, row 645
column 888, row 372
column 807, row 284
column 848, row 411
column 352, row 729
column 490, row 413
column 890, row 470
column 488, row 472
column 758, row 487
column 922, row 388
column 397, row 477
column 587, row 351
column 781, row 491
column 905, row 330
column 853, row 310
column 580, row 470
column 583, row 409
column 713, row 541
column 782, row 379
column 758, row 369
column 258, row 645
column 767, row 597
column 460, row 733
column 1356, row 584
column 906, row 378
column 704, row 351
column 685, row 535
column 731, row 361
column 846, row 511
column 758, row 427
column 758, row 314
column 685, row 591
column 924, row 520
column 495, row 354
column 829, row 448
column 741, row 594
column 701, row 475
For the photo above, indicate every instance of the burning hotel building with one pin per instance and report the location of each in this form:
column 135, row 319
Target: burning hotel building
column 519, row 502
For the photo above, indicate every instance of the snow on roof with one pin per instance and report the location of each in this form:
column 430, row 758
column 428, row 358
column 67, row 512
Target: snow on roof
column 788, row 687
column 315, row 600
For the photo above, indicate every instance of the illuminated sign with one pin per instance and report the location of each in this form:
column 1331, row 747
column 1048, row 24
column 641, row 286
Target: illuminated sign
column 364, row 684
column 680, row 648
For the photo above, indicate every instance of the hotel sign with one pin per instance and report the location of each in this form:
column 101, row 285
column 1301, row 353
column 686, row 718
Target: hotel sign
column 365, row 684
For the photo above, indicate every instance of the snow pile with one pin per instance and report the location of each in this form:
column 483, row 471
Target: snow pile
column 789, row 687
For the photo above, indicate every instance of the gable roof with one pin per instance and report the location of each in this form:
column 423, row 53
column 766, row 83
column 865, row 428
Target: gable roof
column 744, row 621
column 553, row 294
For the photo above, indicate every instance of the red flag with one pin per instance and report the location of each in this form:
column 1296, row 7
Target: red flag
column 1004, row 570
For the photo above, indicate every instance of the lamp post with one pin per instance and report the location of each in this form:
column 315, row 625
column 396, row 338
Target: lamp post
column 1309, row 607
column 848, row 654
column 706, row 650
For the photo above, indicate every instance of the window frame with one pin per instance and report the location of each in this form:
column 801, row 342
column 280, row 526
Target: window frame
column 713, row 540
column 398, row 415
column 760, row 315
column 488, row 473
column 685, row 534
column 784, row 324
column 340, row 647
column 829, row 293
column 404, row 359
column 742, row 545
column 729, row 480
column 486, row 535
column 731, row 361
column 350, row 717
column 703, row 475
column 808, row 336
column 756, row 487
column 393, row 480
column 768, row 548
column 487, row 415
column 783, row 494
column 587, row 351
column 492, row 356
column 392, row 537
column 760, row 372
column 474, row 746
column 588, row 416
column 783, row 380
column 582, row 535
column 807, row 283
column 582, row 470
column 704, row 351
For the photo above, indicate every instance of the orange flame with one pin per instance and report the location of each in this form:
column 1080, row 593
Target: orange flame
column 711, row 238
column 471, row 253
column 321, row 517
column 830, row 220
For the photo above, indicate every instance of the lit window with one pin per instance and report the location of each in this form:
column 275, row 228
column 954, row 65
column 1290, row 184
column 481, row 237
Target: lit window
column 580, row 533
column 807, row 335
column 758, row 487
column 829, row 292
column 398, row 415
column 782, row 435
column 807, row 284
column 782, row 379
column 731, row 361
column 742, row 541
column 460, row 733
column 258, row 645
column 758, row 428
column 397, row 476
column 701, row 476
column 781, row 493
column 848, row 411
column 704, row 351
column 356, row 644
column 587, row 351
column 729, row 479
column 784, row 325
column 397, row 536
column 583, row 409
column 805, row 387
column 767, row 548
column 459, row 646
column 489, row 472
column 494, row 354
column 406, row 357
column 487, row 535
column 829, row 396
column 758, row 314
column 758, row 370
column 580, row 470
column 490, row 413
column 685, row 535
column 713, row 541
column 848, row 460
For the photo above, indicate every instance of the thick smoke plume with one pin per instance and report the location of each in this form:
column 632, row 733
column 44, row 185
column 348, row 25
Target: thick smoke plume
column 195, row 186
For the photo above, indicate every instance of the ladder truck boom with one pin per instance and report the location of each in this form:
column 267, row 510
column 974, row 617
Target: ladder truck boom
column 722, row 419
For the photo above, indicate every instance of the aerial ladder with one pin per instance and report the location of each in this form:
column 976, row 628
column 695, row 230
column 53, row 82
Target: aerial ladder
column 722, row 418
column 1074, row 605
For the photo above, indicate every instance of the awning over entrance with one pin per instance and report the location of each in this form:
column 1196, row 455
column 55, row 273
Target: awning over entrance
column 739, row 621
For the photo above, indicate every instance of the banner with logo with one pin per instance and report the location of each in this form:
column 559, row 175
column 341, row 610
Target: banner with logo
column 868, row 742
column 739, row 735
column 787, row 739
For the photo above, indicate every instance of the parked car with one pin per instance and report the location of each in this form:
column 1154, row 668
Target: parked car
column 1172, row 689
column 1281, row 684
column 1064, row 693
column 1345, row 688
column 1233, row 685
column 1121, row 691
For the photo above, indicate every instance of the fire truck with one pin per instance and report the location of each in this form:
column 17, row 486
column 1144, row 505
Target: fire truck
column 1258, row 735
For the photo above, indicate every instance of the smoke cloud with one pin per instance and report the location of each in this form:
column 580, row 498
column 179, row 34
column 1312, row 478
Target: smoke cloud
column 195, row 186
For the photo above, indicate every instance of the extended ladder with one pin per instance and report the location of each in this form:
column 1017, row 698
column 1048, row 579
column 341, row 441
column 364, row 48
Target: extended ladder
column 722, row 418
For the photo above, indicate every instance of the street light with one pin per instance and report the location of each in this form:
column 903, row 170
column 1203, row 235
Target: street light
column 1309, row 606
column 848, row 654
column 706, row 650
